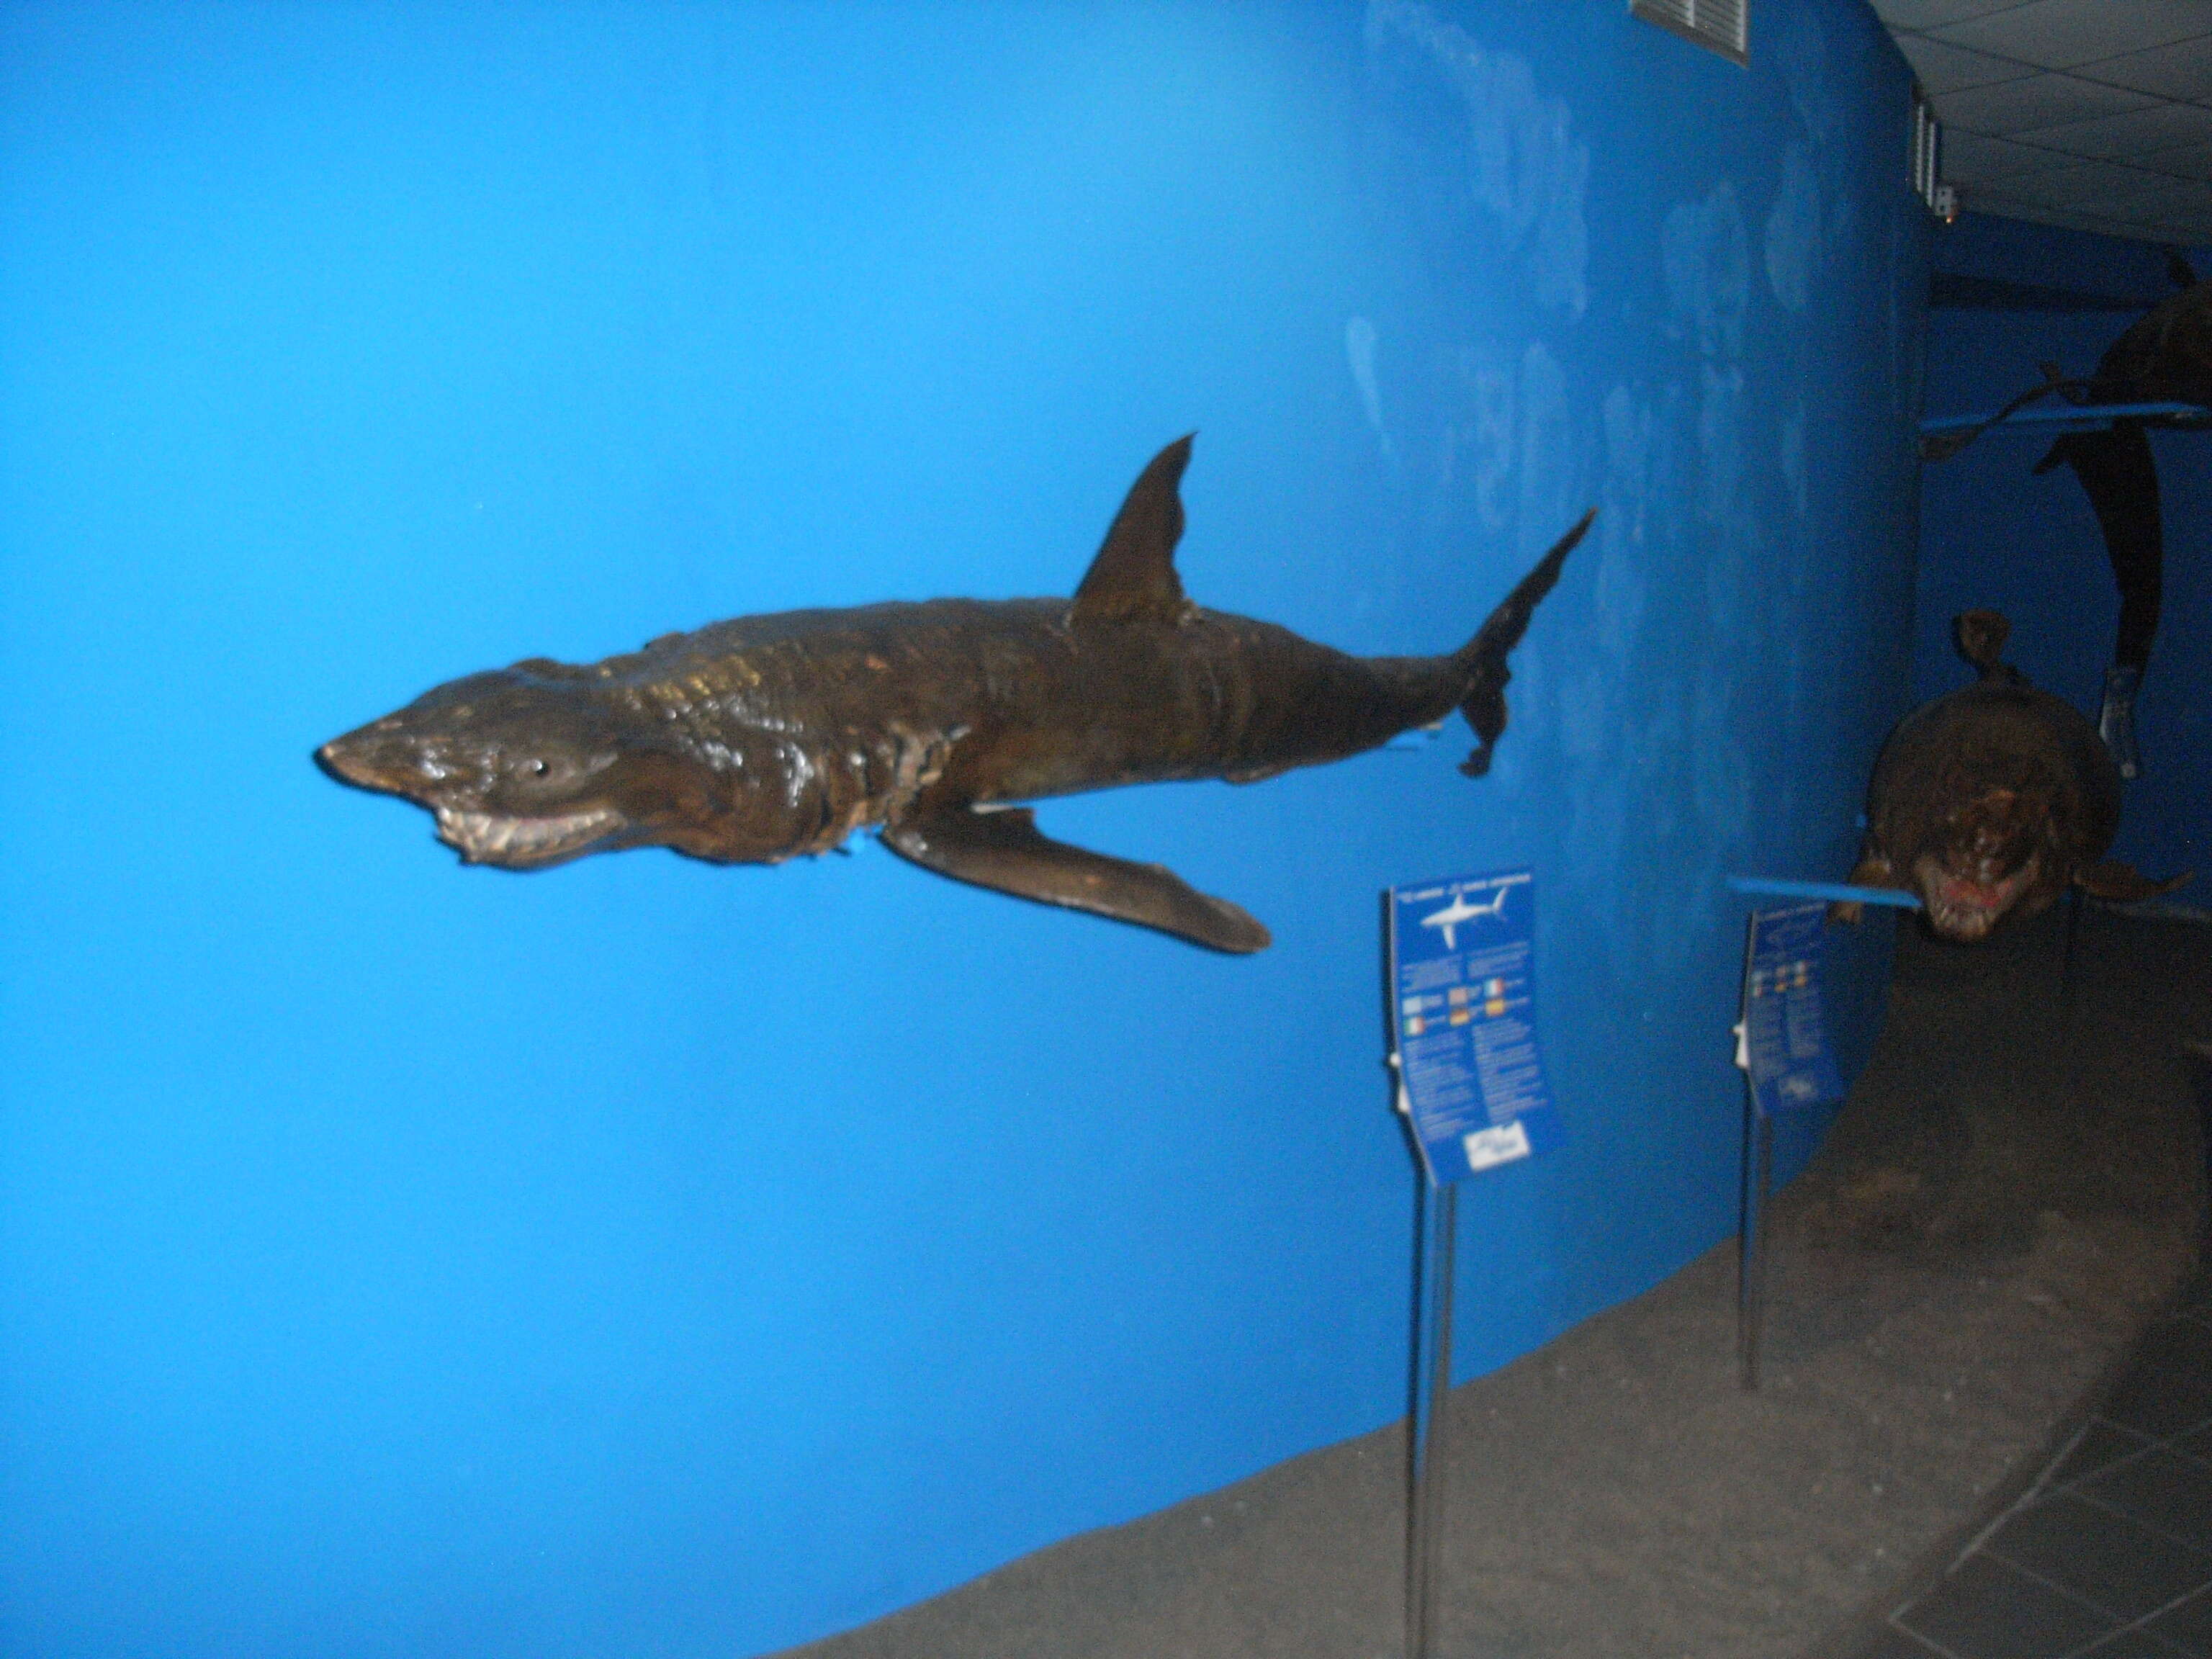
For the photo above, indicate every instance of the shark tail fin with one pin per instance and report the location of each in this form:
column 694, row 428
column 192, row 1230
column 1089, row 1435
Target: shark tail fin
column 1482, row 659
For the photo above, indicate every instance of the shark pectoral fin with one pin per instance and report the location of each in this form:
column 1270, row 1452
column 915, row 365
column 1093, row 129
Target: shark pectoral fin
column 1873, row 869
column 2123, row 883
column 1005, row 851
column 1133, row 577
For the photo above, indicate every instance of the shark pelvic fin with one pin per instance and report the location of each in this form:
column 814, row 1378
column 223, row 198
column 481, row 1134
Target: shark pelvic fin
column 1133, row 577
column 1005, row 850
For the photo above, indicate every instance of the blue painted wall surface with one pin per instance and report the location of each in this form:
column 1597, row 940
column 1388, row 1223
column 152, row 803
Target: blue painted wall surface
column 643, row 1257
column 1994, row 535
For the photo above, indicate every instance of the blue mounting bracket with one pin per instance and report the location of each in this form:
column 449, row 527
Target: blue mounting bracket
column 2074, row 417
column 1835, row 892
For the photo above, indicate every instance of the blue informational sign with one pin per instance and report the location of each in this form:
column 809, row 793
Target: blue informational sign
column 1783, row 1043
column 1463, row 1008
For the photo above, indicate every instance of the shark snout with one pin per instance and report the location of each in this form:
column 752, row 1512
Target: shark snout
column 370, row 759
column 340, row 762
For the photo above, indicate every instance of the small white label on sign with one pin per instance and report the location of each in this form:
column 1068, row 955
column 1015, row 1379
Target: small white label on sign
column 1489, row 1147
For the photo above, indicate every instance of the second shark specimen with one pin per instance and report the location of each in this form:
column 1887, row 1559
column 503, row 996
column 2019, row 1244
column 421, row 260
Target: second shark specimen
column 753, row 740
column 1992, row 800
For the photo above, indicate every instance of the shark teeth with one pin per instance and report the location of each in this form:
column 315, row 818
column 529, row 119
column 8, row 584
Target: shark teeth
column 1961, row 909
column 497, row 838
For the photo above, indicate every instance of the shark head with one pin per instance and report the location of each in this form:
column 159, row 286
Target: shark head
column 535, row 765
column 1988, row 860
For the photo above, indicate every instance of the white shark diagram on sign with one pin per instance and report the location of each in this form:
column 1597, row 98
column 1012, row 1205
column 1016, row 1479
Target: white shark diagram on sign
column 1460, row 910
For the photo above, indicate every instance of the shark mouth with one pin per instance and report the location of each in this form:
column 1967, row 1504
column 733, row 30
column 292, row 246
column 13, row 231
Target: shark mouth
column 1960, row 908
column 523, row 842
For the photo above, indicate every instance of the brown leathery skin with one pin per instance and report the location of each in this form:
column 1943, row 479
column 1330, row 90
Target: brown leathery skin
column 1990, row 802
column 2166, row 357
column 766, row 737
column 1993, row 782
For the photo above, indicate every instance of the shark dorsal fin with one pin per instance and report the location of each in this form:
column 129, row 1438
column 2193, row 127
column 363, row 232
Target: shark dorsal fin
column 1980, row 636
column 1133, row 577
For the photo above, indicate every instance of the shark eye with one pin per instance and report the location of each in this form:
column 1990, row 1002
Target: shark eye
column 529, row 768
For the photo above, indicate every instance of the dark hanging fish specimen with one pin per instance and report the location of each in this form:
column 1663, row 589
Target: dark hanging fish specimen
column 754, row 740
column 1990, row 801
column 2166, row 357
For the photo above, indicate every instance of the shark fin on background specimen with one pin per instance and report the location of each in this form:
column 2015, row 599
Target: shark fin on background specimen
column 2164, row 357
column 761, row 739
column 2120, row 478
column 1989, row 801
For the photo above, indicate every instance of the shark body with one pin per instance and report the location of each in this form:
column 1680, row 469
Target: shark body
column 1990, row 801
column 764, row 738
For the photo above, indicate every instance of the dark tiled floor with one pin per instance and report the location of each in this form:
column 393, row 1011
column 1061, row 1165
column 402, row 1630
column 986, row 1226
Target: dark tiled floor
column 2109, row 1554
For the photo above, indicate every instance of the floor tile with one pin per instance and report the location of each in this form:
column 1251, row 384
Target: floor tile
column 2188, row 1627
column 1894, row 1643
column 2099, row 1447
column 2117, row 1563
column 1986, row 1610
column 2171, row 1494
column 2131, row 1644
column 2159, row 1406
column 2180, row 1349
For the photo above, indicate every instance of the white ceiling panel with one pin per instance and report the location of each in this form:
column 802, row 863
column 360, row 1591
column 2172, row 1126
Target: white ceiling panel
column 2182, row 71
column 1995, row 201
column 1971, row 158
column 2067, row 33
column 2043, row 99
column 2109, row 129
column 1933, row 14
column 2190, row 161
column 2103, row 185
column 2135, row 136
column 1944, row 67
column 2179, row 197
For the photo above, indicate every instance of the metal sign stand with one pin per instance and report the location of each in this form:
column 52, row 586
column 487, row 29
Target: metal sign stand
column 1756, row 1180
column 1425, row 1458
column 1459, row 959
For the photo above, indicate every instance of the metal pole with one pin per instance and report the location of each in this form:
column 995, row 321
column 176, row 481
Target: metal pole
column 1751, row 1237
column 2073, row 931
column 1431, row 1399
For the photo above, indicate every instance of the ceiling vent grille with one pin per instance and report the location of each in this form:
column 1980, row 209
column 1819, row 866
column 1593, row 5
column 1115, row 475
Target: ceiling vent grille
column 1721, row 26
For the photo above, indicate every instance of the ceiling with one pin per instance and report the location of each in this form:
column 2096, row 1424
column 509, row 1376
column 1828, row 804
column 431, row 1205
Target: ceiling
column 2095, row 114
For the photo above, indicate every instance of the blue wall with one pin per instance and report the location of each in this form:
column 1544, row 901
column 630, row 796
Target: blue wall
column 644, row 1257
column 1993, row 534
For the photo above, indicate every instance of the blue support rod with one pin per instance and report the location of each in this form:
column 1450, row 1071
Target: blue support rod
column 2088, row 414
column 1835, row 892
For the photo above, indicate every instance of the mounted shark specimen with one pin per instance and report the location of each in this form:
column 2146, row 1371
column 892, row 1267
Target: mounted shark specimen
column 1990, row 801
column 2164, row 358
column 755, row 740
